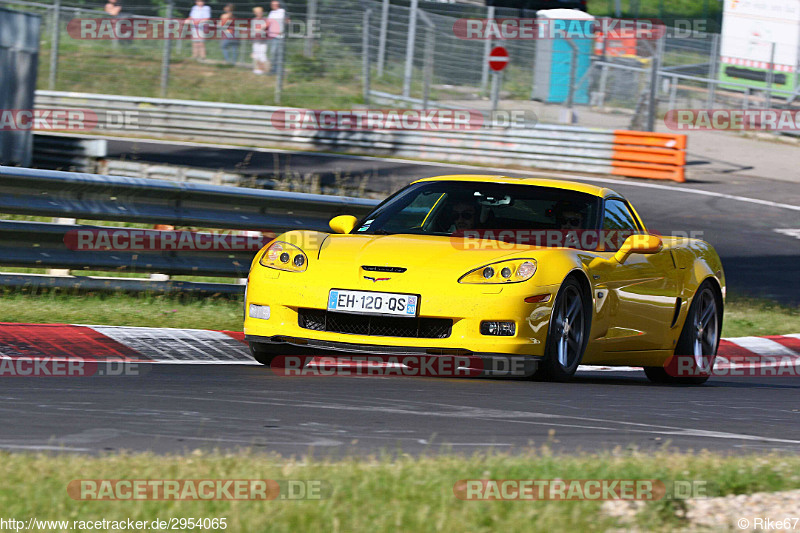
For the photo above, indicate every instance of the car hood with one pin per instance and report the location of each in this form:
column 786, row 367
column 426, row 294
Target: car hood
column 410, row 251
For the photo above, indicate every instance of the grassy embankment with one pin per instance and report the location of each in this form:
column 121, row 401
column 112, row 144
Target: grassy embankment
column 397, row 493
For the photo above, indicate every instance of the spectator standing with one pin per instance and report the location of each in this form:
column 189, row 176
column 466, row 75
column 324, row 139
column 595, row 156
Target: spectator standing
column 230, row 45
column 277, row 21
column 259, row 34
column 113, row 9
column 200, row 11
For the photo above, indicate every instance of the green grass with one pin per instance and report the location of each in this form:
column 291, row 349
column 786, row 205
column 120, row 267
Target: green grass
column 50, row 306
column 389, row 493
column 666, row 10
column 751, row 316
column 743, row 316
column 330, row 82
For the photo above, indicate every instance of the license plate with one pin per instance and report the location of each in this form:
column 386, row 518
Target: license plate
column 373, row 303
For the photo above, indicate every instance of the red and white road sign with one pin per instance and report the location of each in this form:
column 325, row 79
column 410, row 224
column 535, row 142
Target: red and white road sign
column 498, row 58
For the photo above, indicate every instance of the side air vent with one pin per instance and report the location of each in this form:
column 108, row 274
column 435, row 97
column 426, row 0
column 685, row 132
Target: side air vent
column 677, row 312
column 369, row 268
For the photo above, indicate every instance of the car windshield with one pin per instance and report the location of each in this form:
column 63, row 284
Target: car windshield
column 454, row 207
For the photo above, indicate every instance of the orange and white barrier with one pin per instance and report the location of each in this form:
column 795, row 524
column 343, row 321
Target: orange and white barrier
column 639, row 154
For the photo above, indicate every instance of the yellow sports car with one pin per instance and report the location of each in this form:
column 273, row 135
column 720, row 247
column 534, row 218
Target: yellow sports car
column 553, row 273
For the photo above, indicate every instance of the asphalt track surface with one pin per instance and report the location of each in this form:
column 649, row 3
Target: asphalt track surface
column 176, row 408
column 758, row 260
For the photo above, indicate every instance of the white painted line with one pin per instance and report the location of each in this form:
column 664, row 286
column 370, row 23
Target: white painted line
column 43, row 448
column 790, row 232
column 593, row 368
column 506, row 416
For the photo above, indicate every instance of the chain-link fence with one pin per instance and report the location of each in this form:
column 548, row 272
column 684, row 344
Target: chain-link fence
column 345, row 53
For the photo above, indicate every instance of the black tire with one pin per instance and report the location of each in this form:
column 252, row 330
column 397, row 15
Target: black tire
column 698, row 343
column 567, row 334
column 264, row 353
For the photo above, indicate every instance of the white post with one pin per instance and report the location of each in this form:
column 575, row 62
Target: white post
column 382, row 37
column 412, row 35
column 487, row 48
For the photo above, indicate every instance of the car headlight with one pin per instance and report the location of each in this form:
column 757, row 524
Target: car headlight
column 509, row 271
column 284, row 256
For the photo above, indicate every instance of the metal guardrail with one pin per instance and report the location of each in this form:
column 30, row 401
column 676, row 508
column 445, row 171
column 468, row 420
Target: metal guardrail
column 553, row 147
column 112, row 198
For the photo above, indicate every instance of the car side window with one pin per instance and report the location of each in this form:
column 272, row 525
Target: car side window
column 415, row 213
column 618, row 220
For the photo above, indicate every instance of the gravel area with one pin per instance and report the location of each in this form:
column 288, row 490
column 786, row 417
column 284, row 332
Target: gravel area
column 762, row 511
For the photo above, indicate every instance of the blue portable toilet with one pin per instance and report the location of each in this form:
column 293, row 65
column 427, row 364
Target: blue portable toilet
column 553, row 57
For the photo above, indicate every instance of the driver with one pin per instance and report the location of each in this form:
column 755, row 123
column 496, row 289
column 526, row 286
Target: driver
column 463, row 215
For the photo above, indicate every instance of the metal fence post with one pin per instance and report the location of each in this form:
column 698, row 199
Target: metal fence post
column 427, row 73
column 279, row 69
column 365, row 54
column 54, row 42
column 573, row 66
column 412, row 36
column 652, row 107
column 311, row 15
column 165, row 58
column 712, row 74
column 382, row 38
column 770, row 75
column 487, row 49
column 567, row 112
column 673, row 93
column 603, row 84
column 496, row 82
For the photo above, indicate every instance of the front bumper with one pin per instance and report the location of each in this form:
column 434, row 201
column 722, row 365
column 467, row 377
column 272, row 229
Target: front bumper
column 491, row 364
column 466, row 305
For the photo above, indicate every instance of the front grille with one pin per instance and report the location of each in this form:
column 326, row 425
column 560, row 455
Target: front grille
column 370, row 268
column 385, row 326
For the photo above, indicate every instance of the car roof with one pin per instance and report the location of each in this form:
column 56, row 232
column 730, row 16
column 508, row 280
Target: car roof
column 602, row 192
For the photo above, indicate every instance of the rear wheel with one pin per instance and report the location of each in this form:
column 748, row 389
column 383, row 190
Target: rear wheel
column 697, row 346
column 567, row 335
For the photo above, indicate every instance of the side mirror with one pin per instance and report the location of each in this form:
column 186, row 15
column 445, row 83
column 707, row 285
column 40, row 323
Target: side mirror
column 343, row 223
column 638, row 244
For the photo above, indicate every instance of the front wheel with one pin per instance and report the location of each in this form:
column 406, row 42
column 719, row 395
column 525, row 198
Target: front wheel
column 567, row 335
column 696, row 349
